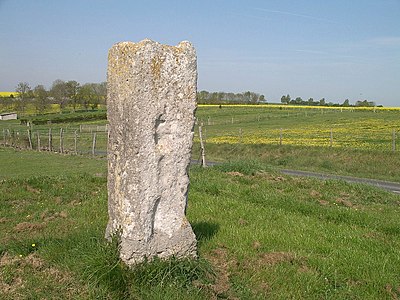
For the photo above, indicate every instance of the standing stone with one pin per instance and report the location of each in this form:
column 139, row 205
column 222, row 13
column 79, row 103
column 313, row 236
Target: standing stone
column 151, row 104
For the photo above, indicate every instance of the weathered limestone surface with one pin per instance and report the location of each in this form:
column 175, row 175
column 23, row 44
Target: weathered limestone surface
column 151, row 104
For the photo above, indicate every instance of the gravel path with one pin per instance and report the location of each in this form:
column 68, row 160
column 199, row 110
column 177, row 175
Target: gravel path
column 387, row 185
column 393, row 187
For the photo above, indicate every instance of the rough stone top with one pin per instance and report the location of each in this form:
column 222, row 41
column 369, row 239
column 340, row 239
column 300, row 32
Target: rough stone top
column 122, row 56
column 181, row 47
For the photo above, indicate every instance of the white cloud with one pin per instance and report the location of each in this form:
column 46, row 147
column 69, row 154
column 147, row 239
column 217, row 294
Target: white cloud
column 295, row 15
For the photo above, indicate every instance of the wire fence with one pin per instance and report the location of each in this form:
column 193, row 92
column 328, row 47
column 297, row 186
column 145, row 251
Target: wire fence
column 298, row 129
column 89, row 139
column 81, row 140
column 313, row 137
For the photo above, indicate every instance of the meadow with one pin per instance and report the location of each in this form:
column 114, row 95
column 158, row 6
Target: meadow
column 261, row 234
column 367, row 129
column 359, row 142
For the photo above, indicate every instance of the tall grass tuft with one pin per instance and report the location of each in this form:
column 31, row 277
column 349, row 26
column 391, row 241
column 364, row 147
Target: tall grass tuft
column 157, row 279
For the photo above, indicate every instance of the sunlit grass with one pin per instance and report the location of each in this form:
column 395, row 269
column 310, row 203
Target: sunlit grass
column 260, row 235
column 361, row 129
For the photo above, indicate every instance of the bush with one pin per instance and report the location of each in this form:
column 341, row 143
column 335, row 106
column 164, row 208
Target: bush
column 67, row 118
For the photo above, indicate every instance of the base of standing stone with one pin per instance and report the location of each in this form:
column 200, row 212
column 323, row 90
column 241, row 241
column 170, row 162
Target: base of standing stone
column 161, row 246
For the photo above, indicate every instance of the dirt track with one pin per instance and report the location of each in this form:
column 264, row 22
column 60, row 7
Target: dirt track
column 387, row 185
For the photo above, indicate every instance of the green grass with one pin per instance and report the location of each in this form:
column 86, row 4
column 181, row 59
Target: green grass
column 352, row 162
column 260, row 235
column 362, row 140
column 25, row 164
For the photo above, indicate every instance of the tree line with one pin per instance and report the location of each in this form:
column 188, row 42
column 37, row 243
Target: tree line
column 286, row 99
column 205, row 97
column 64, row 93
column 90, row 95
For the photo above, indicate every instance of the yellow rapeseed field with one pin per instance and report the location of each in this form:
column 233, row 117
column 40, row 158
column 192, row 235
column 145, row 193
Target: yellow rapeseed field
column 284, row 106
column 359, row 128
column 7, row 94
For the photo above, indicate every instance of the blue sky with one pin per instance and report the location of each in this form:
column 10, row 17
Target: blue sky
column 335, row 49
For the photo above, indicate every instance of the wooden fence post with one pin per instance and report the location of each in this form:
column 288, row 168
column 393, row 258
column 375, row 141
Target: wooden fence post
column 61, row 141
column 50, row 140
column 18, row 138
column 94, row 144
column 75, row 142
column 394, row 140
column 38, row 141
column 12, row 138
column 30, row 139
column 9, row 137
column 203, row 152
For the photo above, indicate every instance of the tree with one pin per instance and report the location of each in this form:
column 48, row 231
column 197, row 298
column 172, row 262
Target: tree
column 92, row 94
column 310, row 101
column 41, row 98
column 365, row 103
column 346, row 103
column 322, row 102
column 203, row 96
column 99, row 94
column 254, row 97
column 24, row 93
column 59, row 92
column 85, row 94
column 247, row 96
column 285, row 99
column 298, row 100
column 72, row 91
column 102, row 88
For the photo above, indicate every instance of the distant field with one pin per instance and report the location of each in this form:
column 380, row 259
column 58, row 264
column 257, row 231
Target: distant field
column 7, row 94
column 358, row 142
column 310, row 107
column 360, row 128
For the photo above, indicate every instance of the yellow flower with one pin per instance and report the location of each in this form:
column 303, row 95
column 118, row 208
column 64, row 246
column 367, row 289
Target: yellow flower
column 33, row 245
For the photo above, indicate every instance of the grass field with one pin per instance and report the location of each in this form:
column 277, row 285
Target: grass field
column 31, row 110
column 361, row 144
column 329, row 127
column 260, row 235
column 292, row 137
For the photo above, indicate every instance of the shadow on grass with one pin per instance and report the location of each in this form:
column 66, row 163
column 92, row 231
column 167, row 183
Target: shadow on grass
column 204, row 231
